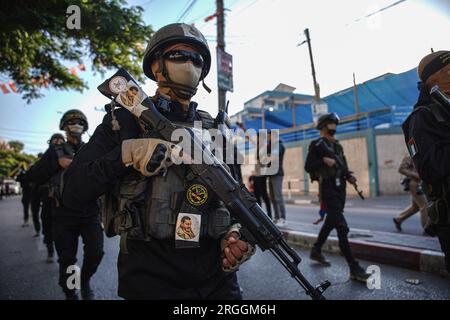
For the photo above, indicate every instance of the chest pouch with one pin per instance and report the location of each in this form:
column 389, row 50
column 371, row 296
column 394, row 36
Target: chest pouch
column 121, row 208
column 175, row 196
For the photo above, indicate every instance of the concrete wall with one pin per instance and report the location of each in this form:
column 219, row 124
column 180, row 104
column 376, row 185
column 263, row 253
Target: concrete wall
column 294, row 174
column 391, row 149
column 357, row 158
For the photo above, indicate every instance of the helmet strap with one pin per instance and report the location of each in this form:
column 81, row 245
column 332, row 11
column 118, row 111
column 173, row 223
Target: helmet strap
column 205, row 86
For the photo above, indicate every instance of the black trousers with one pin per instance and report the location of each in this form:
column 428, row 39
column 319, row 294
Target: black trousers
column 35, row 209
column 443, row 233
column 260, row 186
column 66, row 232
column 26, row 208
column 47, row 222
column 334, row 200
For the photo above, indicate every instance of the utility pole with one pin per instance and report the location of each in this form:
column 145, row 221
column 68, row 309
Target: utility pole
column 316, row 86
column 221, row 45
column 355, row 92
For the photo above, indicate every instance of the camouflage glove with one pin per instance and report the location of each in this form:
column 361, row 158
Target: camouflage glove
column 148, row 156
column 235, row 251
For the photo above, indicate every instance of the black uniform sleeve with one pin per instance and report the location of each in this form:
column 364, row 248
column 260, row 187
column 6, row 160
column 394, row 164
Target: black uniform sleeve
column 45, row 168
column 98, row 165
column 314, row 160
column 432, row 159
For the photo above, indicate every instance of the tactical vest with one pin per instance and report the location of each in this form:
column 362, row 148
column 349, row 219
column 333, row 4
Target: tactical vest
column 146, row 208
column 56, row 183
column 438, row 194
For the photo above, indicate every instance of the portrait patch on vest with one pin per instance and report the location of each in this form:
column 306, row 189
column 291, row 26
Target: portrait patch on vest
column 187, row 230
column 197, row 194
column 412, row 147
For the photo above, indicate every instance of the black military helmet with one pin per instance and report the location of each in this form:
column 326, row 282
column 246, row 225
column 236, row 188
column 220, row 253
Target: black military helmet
column 73, row 114
column 327, row 118
column 171, row 34
column 56, row 136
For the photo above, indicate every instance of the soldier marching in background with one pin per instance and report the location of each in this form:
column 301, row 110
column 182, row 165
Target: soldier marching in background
column 68, row 224
column 326, row 163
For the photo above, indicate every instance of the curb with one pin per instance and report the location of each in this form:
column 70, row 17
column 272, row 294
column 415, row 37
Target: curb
column 404, row 257
column 300, row 201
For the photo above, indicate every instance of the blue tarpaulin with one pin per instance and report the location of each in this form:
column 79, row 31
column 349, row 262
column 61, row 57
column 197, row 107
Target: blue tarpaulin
column 396, row 91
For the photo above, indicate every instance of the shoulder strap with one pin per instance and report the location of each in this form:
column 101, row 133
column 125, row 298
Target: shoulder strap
column 434, row 109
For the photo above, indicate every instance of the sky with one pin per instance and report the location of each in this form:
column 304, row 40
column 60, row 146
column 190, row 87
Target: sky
column 262, row 36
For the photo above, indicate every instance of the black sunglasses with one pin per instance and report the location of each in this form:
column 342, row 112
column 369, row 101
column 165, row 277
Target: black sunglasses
column 75, row 121
column 182, row 56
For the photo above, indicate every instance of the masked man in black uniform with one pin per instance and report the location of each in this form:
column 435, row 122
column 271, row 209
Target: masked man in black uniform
column 145, row 195
column 326, row 163
column 68, row 224
column 427, row 135
column 56, row 140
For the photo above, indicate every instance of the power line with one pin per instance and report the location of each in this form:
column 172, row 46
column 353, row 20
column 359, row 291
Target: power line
column 245, row 8
column 186, row 10
column 380, row 10
column 25, row 131
column 189, row 9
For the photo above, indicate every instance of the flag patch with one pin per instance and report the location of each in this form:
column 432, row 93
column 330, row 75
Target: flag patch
column 412, row 147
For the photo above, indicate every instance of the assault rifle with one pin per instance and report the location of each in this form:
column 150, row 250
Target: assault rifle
column 340, row 165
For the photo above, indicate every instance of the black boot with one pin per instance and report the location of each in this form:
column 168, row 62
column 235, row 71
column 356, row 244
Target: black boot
column 316, row 255
column 398, row 225
column 50, row 254
column 86, row 292
column 358, row 273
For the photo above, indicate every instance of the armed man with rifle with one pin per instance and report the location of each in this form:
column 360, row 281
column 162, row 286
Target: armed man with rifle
column 147, row 196
column 69, row 225
column 326, row 164
column 427, row 136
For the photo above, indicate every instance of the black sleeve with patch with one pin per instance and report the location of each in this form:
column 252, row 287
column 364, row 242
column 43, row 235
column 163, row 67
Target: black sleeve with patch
column 429, row 143
column 314, row 159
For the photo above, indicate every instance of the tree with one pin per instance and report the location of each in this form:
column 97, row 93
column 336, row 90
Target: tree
column 17, row 146
column 37, row 46
column 10, row 161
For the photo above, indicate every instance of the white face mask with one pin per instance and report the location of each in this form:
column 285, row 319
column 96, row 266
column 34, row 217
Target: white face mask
column 75, row 128
column 184, row 73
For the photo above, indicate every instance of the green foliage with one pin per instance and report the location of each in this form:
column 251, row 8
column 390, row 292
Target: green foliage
column 17, row 146
column 11, row 160
column 36, row 43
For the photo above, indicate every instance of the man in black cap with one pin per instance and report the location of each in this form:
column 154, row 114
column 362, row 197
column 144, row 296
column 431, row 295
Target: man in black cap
column 427, row 136
column 326, row 163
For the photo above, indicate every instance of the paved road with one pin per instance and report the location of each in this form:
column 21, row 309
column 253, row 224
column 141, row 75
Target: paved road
column 373, row 215
column 24, row 273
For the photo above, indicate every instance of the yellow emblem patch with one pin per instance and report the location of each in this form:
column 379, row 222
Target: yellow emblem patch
column 197, row 194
